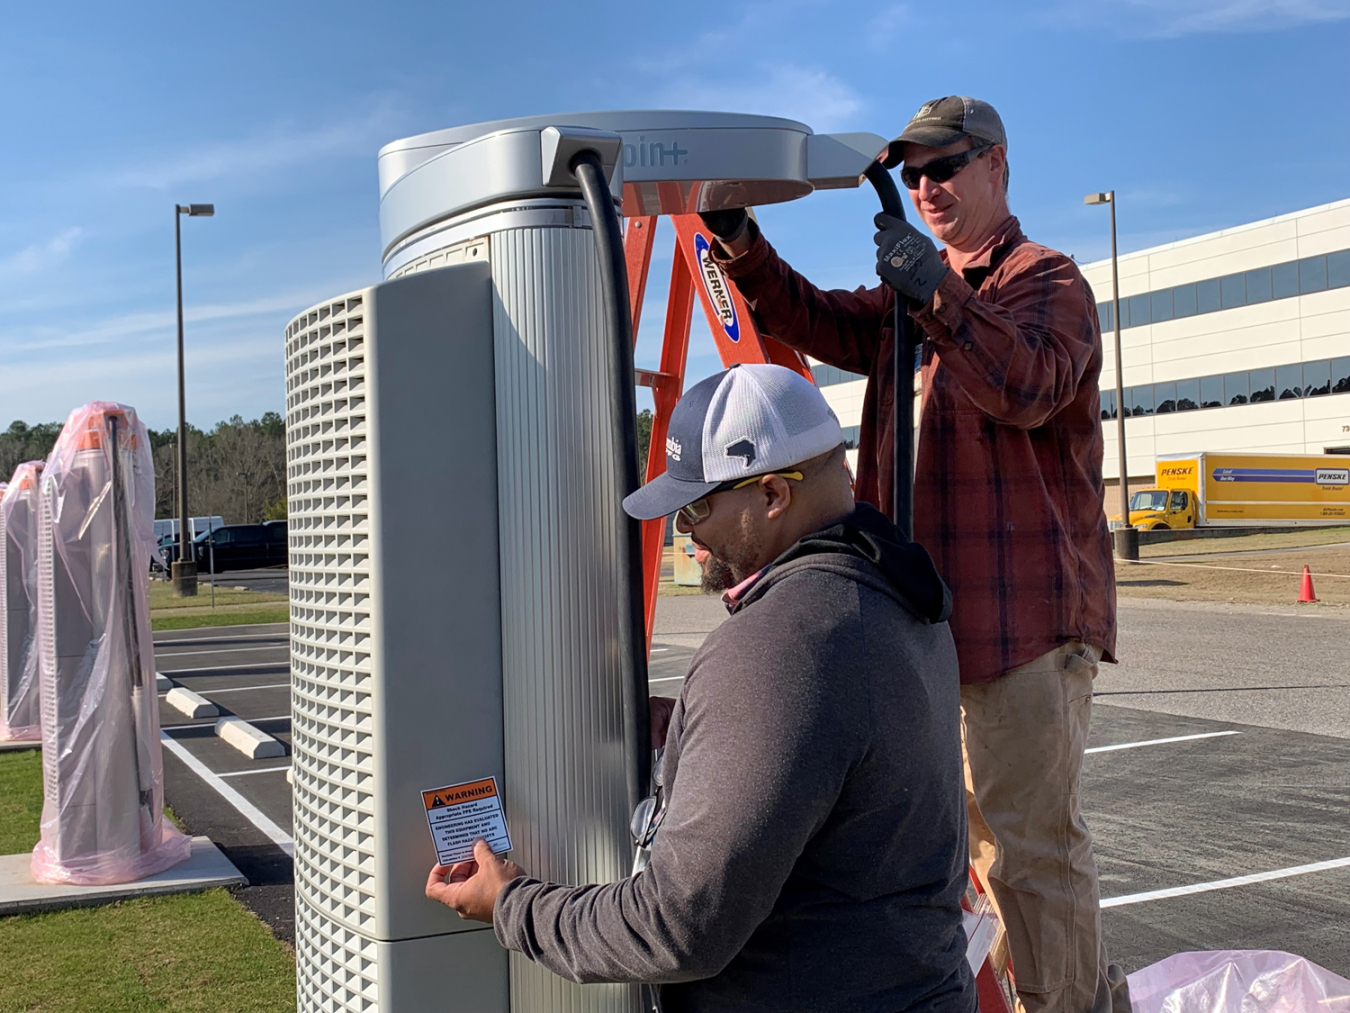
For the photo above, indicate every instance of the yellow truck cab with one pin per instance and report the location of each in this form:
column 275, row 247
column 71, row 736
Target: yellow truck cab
column 1156, row 509
column 1211, row 490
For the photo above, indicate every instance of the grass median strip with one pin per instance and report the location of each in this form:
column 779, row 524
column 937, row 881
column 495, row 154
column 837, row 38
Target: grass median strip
column 278, row 613
column 192, row 952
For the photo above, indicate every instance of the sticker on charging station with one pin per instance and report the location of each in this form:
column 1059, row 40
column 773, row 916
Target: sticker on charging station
column 460, row 813
column 716, row 285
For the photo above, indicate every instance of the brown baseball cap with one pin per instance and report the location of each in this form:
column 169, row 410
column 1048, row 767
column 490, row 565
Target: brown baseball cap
column 945, row 121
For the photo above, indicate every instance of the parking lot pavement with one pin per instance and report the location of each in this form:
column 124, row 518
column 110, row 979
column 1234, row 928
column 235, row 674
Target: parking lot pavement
column 243, row 805
column 1251, row 778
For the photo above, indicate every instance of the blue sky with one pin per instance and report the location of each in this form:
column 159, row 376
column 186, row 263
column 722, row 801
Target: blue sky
column 1202, row 114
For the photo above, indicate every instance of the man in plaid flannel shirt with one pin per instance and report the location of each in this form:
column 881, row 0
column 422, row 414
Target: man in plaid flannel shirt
column 1008, row 500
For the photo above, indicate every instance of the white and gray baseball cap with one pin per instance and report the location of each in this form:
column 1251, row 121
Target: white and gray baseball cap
column 747, row 420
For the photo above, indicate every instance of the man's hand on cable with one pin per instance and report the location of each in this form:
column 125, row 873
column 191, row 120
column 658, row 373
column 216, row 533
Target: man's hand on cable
column 471, row 888
column 907, row 260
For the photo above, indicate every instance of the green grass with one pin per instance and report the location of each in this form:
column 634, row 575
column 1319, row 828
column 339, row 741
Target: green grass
column 278, row 613
column 162, row 597
column 20, row 802
column 193, row 952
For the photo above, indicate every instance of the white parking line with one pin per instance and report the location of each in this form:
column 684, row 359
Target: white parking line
column 669, row 678
column 260, row 770
column 225, row 668
column 1153, row 742
column 1226, row 884
column 250, row 812
column 242, row 689
column 221, row 650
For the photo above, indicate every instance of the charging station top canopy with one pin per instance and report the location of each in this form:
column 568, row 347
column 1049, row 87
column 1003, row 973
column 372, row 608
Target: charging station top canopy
column 664, row 162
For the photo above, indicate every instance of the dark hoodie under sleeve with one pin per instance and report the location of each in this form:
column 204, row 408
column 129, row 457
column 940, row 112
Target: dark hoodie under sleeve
column 765, row 747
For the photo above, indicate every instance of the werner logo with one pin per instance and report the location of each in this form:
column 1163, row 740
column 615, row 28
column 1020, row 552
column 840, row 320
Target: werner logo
column 718, row 288
column 1332, row 476
column 653, row 154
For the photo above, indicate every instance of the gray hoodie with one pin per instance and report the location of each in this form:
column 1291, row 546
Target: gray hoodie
column 813, row 852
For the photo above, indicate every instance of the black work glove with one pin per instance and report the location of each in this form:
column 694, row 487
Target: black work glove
column 726, row 225
column 907, row 260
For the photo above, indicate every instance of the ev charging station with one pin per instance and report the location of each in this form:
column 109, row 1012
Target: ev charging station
column 103, row 779
column 465, row 589
column 19, row 713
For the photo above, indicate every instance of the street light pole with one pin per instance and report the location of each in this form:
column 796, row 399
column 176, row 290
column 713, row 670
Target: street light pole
column 184, row 569
column 1126, row 536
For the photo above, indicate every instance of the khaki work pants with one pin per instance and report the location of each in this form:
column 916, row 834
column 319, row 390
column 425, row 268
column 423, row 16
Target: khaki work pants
column 1023, row 736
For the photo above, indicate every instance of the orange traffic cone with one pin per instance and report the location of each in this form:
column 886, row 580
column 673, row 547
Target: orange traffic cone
column 1305, row 594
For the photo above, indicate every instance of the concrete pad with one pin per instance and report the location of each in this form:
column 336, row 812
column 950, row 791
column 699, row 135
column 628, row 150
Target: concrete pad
column 207, row 867
column 249, row 740
column 11, row 745
column 190, row 703
column 162, row 682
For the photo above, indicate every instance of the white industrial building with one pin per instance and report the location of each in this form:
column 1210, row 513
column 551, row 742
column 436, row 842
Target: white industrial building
column 1232, row 341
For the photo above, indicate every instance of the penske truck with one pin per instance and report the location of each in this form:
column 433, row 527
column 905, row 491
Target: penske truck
column 1244, row 491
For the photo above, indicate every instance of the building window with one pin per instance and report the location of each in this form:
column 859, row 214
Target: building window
column 1340, row 375
column 1160, row 306
column 1258, row 285
column 1263, row 385
column 1183, row 301
column 851, row 437
column 1280, row 281
column 1211, row 392
column 1316, row 378
column 1165, row 396
column 1312, row 274
column 1108, row 398
column 827, row 376
column 1140, row 399
column 1338, row 269
column 1188, row 395
column 1138, row 312
column 1289, row 381
column 1236, row 388
column 1284, row 280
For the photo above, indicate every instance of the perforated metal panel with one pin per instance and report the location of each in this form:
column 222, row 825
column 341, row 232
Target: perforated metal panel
column 331, row 705
column 336, row 969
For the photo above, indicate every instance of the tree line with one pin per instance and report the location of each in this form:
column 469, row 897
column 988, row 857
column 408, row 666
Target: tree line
column 237, row 470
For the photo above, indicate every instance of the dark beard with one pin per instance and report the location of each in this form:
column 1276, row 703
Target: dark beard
column 717, row 576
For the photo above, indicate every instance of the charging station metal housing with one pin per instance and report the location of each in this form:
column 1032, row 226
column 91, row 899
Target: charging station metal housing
column 455, row 541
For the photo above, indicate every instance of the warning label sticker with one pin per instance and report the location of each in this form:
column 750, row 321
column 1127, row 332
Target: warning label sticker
column 460, row 813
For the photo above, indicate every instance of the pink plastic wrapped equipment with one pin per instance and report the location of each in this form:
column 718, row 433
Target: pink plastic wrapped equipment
column 20, row 719
column 103, row 807
column 1238, row 981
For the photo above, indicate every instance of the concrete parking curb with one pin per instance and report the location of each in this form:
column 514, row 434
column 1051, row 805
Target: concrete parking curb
column 190, row 703
column 162, row 682
column 252, row 742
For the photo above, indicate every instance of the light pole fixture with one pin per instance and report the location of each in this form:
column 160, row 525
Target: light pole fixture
column 184, row 569
column 1126, row 536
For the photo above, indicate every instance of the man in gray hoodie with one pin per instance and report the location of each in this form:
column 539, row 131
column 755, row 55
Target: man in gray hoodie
column 810, row 852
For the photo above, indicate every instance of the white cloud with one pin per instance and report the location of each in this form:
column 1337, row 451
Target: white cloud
column 886, row 25
column 275, row 148
column 42, row 255
column 147, row 323
column 1171, row 19
column 815, row 97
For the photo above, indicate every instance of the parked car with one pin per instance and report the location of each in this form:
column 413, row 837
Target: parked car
column 241, row 547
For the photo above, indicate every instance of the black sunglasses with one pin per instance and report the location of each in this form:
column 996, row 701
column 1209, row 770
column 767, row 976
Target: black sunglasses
column 939, row 170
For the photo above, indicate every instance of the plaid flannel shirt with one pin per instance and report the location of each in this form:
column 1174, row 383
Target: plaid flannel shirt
column 1008, row 494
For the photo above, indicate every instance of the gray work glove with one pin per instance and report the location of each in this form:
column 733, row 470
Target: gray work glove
column 907, row 260
column 726, row 225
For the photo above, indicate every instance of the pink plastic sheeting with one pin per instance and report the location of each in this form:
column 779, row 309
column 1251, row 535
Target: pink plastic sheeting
column 19, row 714
column 103, row 773
column 1238, row 981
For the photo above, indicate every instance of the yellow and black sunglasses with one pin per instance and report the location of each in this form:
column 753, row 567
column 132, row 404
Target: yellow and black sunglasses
column 697, row 512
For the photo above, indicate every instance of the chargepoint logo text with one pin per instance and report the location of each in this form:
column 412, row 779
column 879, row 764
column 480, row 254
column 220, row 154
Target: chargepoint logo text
column 718, row 289
column 655, row 154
